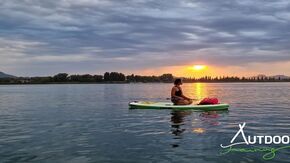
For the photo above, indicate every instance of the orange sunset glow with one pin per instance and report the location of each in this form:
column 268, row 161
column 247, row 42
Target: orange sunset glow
column 200, row 70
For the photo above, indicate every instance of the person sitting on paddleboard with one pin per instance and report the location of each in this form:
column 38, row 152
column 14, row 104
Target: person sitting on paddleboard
column 177, row 96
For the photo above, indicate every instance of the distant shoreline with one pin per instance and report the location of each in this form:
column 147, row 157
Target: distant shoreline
column 67, row 83
column 120, row 78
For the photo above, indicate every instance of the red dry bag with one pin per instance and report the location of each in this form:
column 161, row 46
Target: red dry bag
column 209, row 101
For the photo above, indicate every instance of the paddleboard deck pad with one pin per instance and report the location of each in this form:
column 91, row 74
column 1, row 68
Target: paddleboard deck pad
column 169, row 105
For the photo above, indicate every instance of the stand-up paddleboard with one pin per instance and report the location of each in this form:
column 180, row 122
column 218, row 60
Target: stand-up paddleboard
column 169, row 105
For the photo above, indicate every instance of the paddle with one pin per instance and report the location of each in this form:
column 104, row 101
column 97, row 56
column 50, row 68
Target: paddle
column 191, row 99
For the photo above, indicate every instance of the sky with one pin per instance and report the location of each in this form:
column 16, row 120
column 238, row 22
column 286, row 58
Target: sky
column 148, row 37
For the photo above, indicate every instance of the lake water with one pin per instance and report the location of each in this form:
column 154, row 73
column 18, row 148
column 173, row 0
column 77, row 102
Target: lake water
column 92, row 123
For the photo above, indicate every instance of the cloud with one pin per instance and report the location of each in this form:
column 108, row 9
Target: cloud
column 97, row 35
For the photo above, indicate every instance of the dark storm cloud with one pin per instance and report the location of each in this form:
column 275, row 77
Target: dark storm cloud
column 93, row 34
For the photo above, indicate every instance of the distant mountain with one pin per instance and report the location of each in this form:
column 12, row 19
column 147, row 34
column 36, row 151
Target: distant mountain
column 280, row 77
column 276, row 77
column 3, row 75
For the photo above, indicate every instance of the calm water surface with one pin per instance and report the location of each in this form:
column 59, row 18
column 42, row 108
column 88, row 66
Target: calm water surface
column 92, row 123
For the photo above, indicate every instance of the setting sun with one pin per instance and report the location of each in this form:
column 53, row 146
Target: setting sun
column 198, row 67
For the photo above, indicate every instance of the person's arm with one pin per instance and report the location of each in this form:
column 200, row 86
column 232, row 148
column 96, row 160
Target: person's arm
column 173, row 90
column 187, row 98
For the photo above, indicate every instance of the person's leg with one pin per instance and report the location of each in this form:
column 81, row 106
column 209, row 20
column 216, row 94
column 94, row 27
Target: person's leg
column 190, row 102
column 182, row 102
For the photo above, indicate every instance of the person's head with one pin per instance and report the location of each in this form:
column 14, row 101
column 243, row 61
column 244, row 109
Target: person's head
column 177, row 82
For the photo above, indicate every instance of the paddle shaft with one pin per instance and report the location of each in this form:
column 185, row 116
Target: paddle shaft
column 191, row 99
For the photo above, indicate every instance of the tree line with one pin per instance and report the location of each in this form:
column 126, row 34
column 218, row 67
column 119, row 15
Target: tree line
column 116, row 77
column 108, row 77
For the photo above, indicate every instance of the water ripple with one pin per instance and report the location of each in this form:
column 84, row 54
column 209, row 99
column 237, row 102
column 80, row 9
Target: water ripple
column 92, row 123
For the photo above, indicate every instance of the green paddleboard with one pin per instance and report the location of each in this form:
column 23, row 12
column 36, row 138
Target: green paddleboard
column 169, row 105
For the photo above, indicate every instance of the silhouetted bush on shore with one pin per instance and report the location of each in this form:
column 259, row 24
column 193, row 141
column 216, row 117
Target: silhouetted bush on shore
column 116, row 77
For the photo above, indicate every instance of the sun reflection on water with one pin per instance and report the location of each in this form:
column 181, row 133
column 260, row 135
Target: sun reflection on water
column 200, row 90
